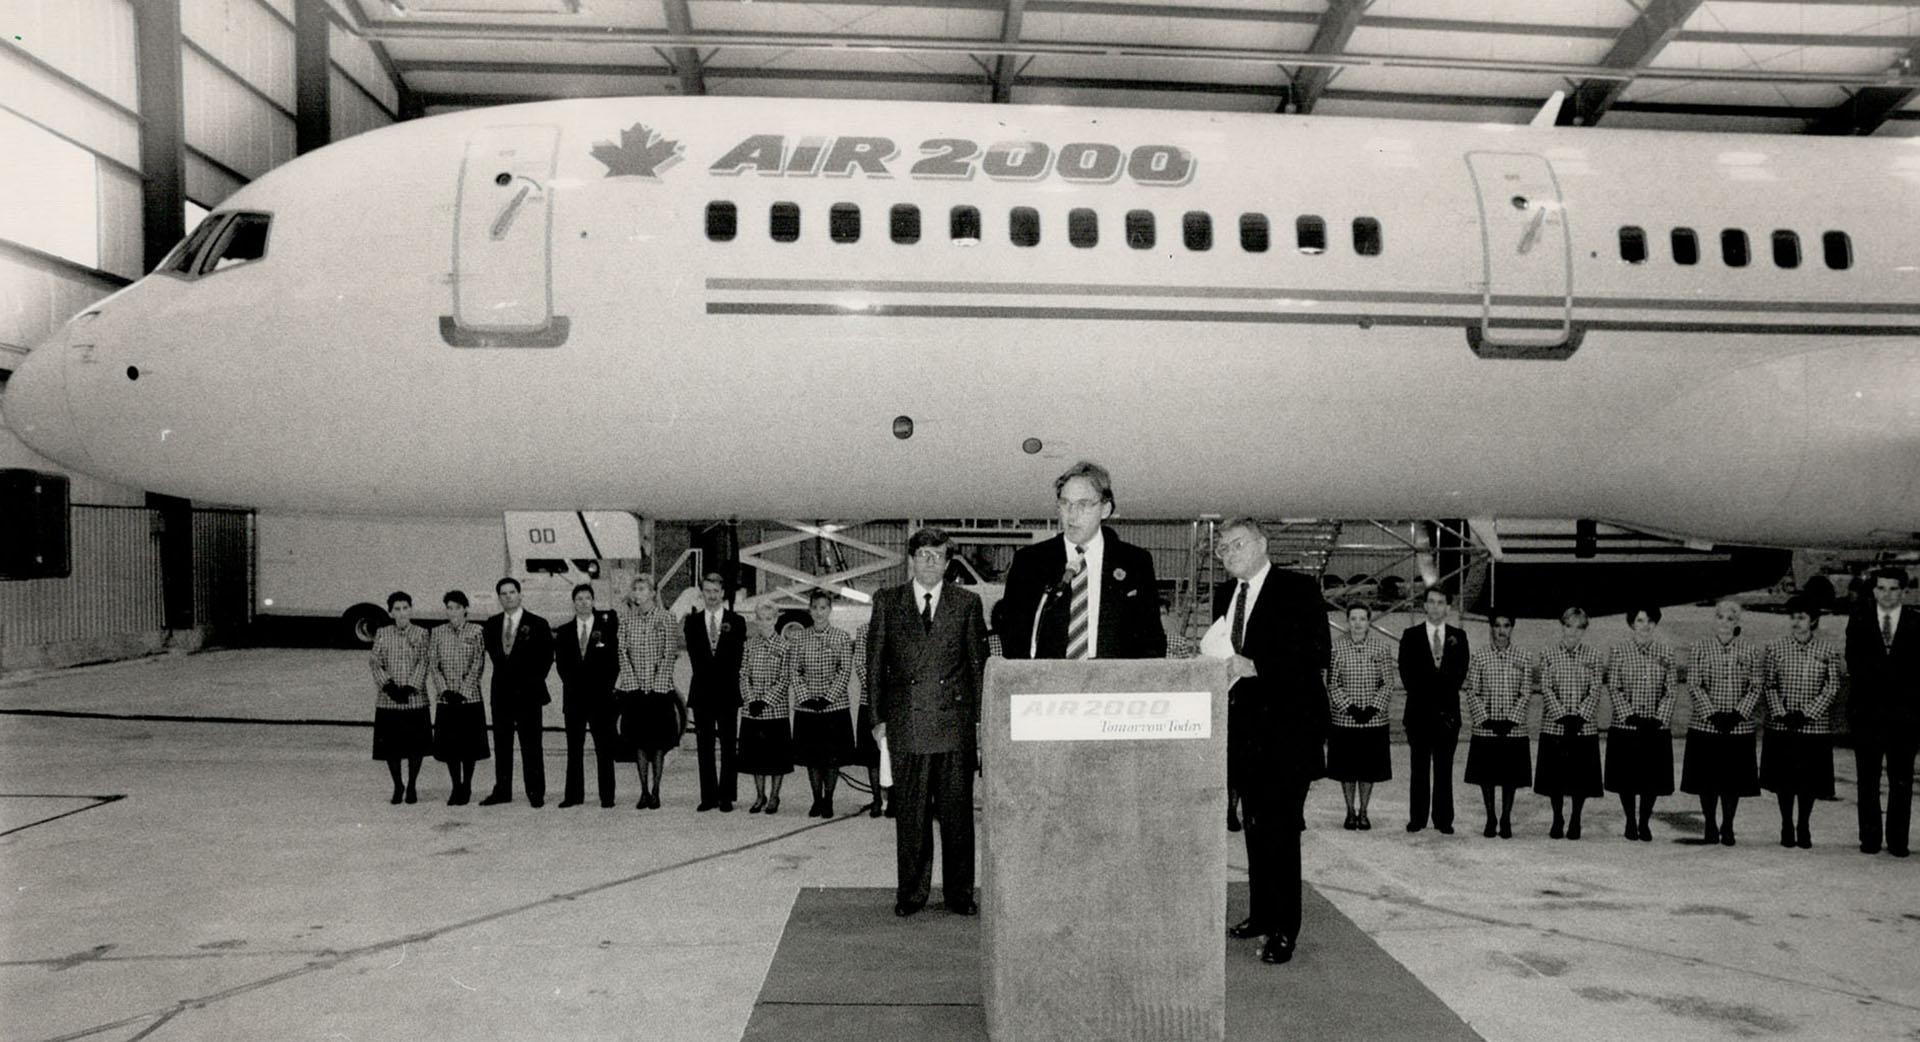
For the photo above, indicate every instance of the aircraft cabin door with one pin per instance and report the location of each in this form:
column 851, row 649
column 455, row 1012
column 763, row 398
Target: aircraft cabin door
column 503, row 242
column 1527, row 302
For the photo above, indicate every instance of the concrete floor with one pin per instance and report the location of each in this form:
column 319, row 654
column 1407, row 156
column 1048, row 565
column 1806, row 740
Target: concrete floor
column 251, row 881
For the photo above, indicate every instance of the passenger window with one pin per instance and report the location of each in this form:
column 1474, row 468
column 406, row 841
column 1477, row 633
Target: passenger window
column 1023, row 226
column 1255, row 236
column 1310, row 234
column 723, row 221
column 1786, row 249
column 1733, row 248
column 184, row 255
column 1140, row 229
column 963, row 226
column 1839, row 250
column 1633, row 245
column 1366, row 236
column 783, row 222
column 1197, row 229
column 843, row 222
column 243, row 239
column 546, row 566
column 905, row 223
column 1083, row 228
column 1686, row 246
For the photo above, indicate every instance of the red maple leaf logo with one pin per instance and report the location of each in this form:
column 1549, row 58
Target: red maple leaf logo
column 642, row 152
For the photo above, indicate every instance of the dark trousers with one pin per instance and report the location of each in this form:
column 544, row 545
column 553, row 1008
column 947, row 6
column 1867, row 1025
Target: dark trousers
column 928, row 786
column 1270, row 815
column 717, row 725
column 601, row 719
column 509, row 720
column 1432, row 746
column 1898, row 752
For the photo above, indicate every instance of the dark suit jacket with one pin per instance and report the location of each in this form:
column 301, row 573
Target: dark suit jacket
column 520, row 681
column 925, row 686
column 716, row 673
column 1885, row 685
column 1129, row 598
column 586, row 682
column 1433, row 693
column 1277, row 721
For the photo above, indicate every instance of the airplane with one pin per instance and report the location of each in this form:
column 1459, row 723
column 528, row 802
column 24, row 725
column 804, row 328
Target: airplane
column 747, row 307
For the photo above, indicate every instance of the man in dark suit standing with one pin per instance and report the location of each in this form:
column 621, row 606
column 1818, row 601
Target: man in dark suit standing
column 716, row 640
column 1433, row 666
column 1277, row 719
column 521, row 647
column 587, row 653
column 1883, row 707
column 1083, row 593
column 926, row 649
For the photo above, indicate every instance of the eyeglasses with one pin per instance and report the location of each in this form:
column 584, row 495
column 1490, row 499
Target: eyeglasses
column 1080, row 506
column 1228, row 549
column 930, row 555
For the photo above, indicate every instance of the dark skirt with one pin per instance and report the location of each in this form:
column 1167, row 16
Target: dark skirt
column 823, row 739
column 1568, row 766
column 402, row 734
column 1639, row 763
column 1496, row 760
column 1797, row 764
column 766, row 746
column 1358, row 754
column 460, row 733
column 866, row 751
column 649, row 722
column 1719, row 765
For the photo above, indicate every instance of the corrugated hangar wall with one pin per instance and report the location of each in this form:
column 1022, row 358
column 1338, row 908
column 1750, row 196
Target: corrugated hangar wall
column 71, row 126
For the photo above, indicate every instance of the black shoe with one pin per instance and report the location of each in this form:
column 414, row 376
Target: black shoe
column 1413, row 826
column 453, row 798
column 398, row 795
column 1646, row 834
column 1243, row 930
column 1352, row 822
column 1573, row 831
column 813, row 809
column 461, row 797
column 1445, row 830
column 604, row 804
column 1869, row 848
column 1506, row 830
column 1277, row 950
column 706, row 805
column 1558, row 830
column 826, row 807
column 964, row 906
column 1803, row 839
column 1633, row 831
column 726, row 807
column 874, row 809
column 1712, row 836
column 1786, row 836
column 773, row 805
column 1490, row 831
column 412, row 797
column 904, row 908
column 1898, row 851
column 1362, row 823
column 758, row 806
column 494, row 799
column 653, row 802
column 571, row 802
column 1726, row 836
column 893, row 809
column 537, row 803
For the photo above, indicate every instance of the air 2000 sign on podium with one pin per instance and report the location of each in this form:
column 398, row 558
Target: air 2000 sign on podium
column 1104, row 860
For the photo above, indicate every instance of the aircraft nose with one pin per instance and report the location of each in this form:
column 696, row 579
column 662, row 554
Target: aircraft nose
column 37, row 410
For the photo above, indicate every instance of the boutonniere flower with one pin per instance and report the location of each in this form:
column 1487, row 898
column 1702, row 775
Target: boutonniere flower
column 1119, row 575
column 521, row 632
column 725, row 626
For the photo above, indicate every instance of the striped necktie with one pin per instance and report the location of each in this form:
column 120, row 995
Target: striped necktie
column 1886, row 630
column 1077, row 613
column 1240, row 618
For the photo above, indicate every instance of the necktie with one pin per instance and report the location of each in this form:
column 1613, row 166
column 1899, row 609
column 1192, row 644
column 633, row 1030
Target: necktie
column 1240, row 618
column 506, row 635
column 926, row 614
column 1077, row 613
column 585, row 626
column 1437, row 652
column 1886, row 631
column 713, row 631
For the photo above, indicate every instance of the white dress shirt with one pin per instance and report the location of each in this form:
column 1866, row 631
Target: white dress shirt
column 1095, row 554
column 920, row 594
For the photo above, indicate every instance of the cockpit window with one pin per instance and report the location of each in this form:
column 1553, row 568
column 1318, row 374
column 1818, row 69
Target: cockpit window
column 182, row 260
column 243, row 239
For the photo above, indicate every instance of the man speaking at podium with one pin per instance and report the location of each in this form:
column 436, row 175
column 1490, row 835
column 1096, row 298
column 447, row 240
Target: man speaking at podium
column 1084, row 593
column 1277, row 718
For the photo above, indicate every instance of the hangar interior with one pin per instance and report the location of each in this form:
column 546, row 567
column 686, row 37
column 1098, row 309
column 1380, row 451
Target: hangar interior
column 127, row 122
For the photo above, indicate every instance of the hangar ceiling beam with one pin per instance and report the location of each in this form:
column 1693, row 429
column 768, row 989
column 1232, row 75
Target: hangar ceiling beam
column 312, row 76
column 1005, row 69
column 1336, row 28
column 163, row 158
column 686, row 60
column 1659, row 22
column 1865, row 109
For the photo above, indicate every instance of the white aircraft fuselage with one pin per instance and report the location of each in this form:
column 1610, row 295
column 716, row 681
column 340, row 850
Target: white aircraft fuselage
column 522, row 308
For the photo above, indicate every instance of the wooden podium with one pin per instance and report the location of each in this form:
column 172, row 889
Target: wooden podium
column 1104, row 855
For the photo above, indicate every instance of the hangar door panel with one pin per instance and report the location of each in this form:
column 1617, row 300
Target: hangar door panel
column 503, row 242
column 1528, row 299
